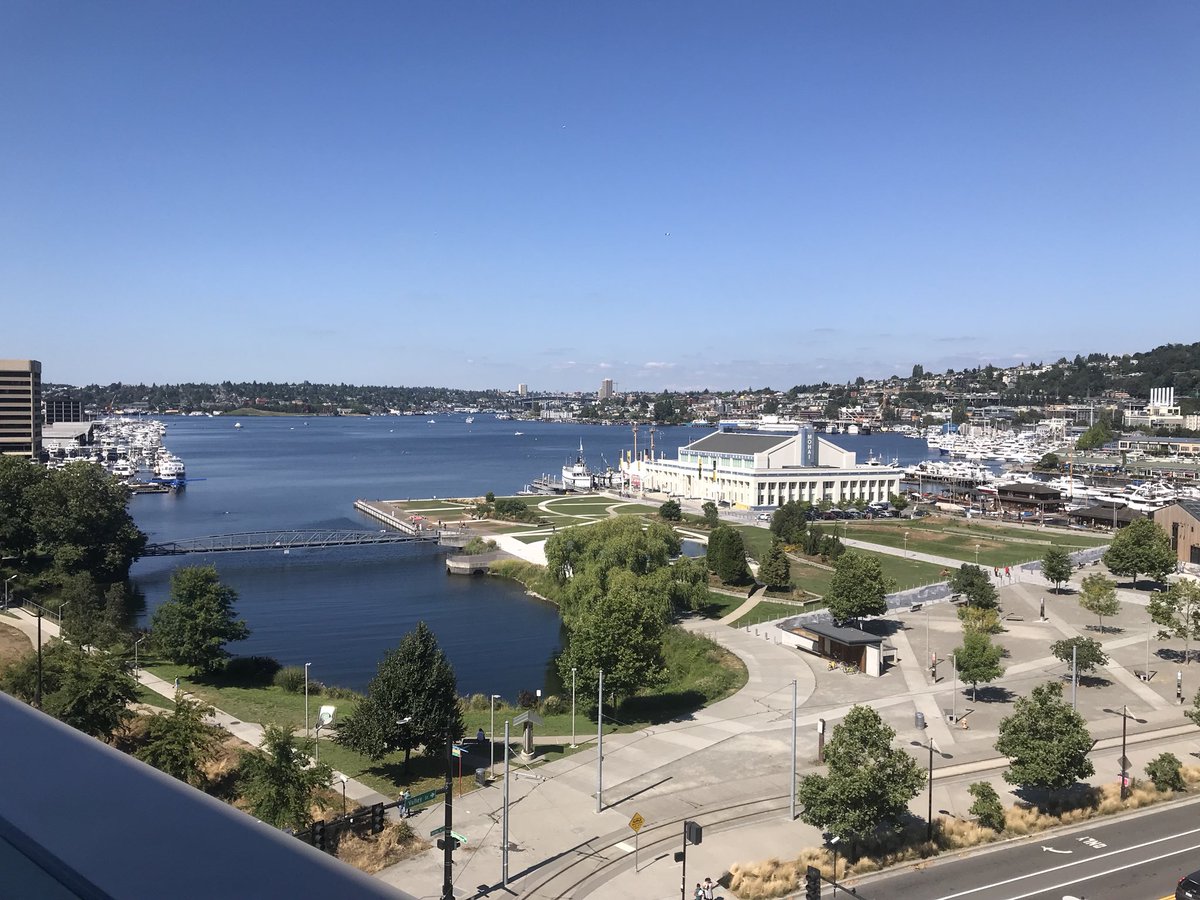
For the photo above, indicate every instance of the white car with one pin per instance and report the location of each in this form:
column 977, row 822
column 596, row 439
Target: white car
column 764, row 517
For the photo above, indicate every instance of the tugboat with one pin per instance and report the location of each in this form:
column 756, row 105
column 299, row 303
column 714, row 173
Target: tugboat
column 577, row 476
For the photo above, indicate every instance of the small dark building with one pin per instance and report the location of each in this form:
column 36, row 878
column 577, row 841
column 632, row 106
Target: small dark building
column 1181, row 522
column 1105, row 515
column 1032, row 498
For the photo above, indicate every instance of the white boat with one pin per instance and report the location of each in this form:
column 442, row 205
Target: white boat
column 237, row 424
column 470, row 419
column 577, row 476
column 518, row 433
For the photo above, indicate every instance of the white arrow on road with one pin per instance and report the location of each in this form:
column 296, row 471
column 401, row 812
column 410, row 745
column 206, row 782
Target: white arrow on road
column 1046, row 849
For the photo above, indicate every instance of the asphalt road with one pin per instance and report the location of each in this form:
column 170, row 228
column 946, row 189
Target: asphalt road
column 1141, row 857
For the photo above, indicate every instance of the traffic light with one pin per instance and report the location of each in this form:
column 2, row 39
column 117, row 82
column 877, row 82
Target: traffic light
column 376, row 818
column 812, row 884
column 454, row 843
column 318, row 835
column 692, row 832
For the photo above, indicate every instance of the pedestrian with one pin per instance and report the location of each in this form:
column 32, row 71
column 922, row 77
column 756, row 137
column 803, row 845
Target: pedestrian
column 1008, row 572
column 699, row 893
column 403, row 807
column 996, row 572
column 709, row 887
column 480, row 737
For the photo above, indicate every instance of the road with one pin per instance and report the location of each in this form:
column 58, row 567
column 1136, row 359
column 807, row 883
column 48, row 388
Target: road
column 1141, row 857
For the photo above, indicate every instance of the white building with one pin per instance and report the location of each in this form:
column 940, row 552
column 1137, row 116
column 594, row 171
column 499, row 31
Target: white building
column 752, row 470
column 1161, row 412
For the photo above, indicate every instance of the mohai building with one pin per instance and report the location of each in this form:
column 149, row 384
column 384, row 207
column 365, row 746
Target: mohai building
column 753, row 470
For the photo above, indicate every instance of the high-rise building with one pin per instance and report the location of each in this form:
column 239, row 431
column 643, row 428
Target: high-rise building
column 606, row 389
column 523, row 389
column 20, row 407
column 63, row 409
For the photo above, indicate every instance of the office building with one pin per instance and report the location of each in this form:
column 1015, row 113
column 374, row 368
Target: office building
column 606, row 389
column 20, row 407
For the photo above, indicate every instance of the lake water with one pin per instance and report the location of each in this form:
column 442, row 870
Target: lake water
column 341, row 609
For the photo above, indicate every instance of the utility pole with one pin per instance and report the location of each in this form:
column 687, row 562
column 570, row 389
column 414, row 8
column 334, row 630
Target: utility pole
column 38, row 695
column 1074, row 673
column 600, row 747
column 448, row 834
column 793, row 766
column 504, row 836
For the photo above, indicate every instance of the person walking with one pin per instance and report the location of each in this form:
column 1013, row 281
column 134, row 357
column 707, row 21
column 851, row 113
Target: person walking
column 403, row 808
column 709, row 887
column 698, row 894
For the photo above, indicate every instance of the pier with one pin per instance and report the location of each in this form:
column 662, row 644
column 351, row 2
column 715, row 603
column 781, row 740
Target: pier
column 286, row 541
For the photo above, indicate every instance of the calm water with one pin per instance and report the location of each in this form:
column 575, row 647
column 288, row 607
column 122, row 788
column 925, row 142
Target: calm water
column 342, row 609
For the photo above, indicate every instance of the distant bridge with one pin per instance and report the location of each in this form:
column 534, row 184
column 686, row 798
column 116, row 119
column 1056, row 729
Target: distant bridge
column 287, row 540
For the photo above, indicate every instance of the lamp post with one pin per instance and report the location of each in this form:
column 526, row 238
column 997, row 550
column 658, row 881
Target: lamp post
column 932, row 750
column 831, row 841
column 906, row 545
column 135, row 656
column 977, row 556
column 1125, row 717
column 572, row 707
column 62, row 615
column 306, row 665
column 492, row 735
column 344, row 780
column 6, row 582
column 954, row 694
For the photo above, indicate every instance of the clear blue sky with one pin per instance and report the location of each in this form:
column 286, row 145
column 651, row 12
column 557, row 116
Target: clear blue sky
column 670, row 194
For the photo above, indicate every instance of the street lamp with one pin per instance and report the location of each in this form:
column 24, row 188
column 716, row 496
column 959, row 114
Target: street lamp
column 344, row 780
column 932, row 750
column 6, row 581
column 492, row 737
column 906, row 545
column 306, row 665
column 135, row 656
column 831, row 841
column 977, row 556
column 61, row 614
column 1125, row 717
column 572, row 707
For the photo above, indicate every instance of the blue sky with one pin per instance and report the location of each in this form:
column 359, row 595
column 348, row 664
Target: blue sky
column 669, row 194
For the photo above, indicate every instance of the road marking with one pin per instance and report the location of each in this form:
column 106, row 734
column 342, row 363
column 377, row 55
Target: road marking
column 1046, row 849
column 1092, row 842
column 621, row 845
column 1078, row 862
column 1140, row 862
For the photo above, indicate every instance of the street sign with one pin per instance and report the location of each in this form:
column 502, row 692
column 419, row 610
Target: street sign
column 422, row 798
column 437, row 831
column 461, row 838
column 637, row 822
column 457, row 751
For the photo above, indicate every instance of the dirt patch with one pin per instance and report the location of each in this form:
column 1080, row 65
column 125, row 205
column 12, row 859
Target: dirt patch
column 14, row 644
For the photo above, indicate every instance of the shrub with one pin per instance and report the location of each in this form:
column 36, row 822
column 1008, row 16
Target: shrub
column 976, row 619
column 333, row 692
column 553, row 705
column 291, row 679
column 478, row 701
column 490, row 497
column 1165, row 770
column 527, row 699
column 987, row 807
column 478, row 545
column 251, row 669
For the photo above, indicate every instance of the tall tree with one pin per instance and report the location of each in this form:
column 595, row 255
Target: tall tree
column 978, row 659
column 727, row 555
column 18, row 479
column 415, row 681
column 858, row 588
column 1056, row 567
column 1177, row 613
column 1098, row 595
column 972, row 582
column 671, row 511
column 279, row 782
column 1194, row 712
column 181, row 743
column 1086, row 653
column 91, row 692
column 774, row 570
column 1046, row 741
column 789, row 521
column 193, row 627
column 869, row 783
column 712, row 516
column 1140, row 548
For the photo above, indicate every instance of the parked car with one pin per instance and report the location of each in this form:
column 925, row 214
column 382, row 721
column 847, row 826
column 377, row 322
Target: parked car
column 1188, row 887
column 764, row 517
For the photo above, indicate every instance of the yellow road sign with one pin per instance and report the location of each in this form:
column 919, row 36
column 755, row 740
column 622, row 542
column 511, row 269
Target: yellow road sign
column 637, row 822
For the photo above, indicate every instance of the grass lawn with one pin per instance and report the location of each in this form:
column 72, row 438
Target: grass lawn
column 1028, row 534
column 720, row 605
column 768, row 610
column 757, row 540
column 960, row 544
column 153, row 698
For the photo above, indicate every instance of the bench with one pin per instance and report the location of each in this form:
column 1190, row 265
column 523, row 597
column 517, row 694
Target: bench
column 916, row 607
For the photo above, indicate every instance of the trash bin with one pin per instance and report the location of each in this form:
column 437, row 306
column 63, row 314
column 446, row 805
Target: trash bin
column 481, row 777
column 920, row 719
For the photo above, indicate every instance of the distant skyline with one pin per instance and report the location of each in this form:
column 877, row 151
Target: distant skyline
column 673, row 195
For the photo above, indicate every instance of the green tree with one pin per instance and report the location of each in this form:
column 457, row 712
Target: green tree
column 81, row 517
column 774, row 570
column 1194, row 712
column 1164, row 771
column 18, row 481
column 959, row 414
column 727, row 555
column 1176, row 611
column 193, row 627
column 858, row 588
column 1088, row 654
column 1046, row 741
column 789, row 521
column 621, row 633
column 1097, row 436
column 973, row 583
column 898, row 501
column 415, row 681
column 671, row 511
column 869, row 783
column 1140, row 548
column 181, row 743
column 711, row 516
column 279, row 782
column 1049, row 462
column 1098, row 595
column 1056, row 567
column 978, row 660
column 986, row 806
column 91, row 692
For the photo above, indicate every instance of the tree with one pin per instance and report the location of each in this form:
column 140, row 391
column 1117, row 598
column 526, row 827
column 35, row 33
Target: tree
column 973, row 583
column 898, row 501
column 181, row 743
column 621, row 633
column 959, row 414
column 869, row 783
column 790, row 520
column 1056, row 567
column 1194, row 712
column 727, row 555
column 986, row 807
column 18, row 479
column 671, row 511
column 279, row 782
column 857, row 588
column 193, row 627
column 1164, row 771
column 978, row 659
column 1141, row 547
column 1046, row 741
column 774, row 570
column 1086, row 653
column 1098, row 595
column 91, row 692
column 711, row 517
column 415, row 681
column 1177, row 613
column 1049, row 461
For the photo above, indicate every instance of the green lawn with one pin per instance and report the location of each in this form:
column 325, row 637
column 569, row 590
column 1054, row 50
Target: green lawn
column 995, row 548
column 768, row 610
column 1029, row 534
column 720, row 605
column 153, row 698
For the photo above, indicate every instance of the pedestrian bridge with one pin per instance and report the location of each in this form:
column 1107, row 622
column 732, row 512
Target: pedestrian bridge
column 287, row 540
